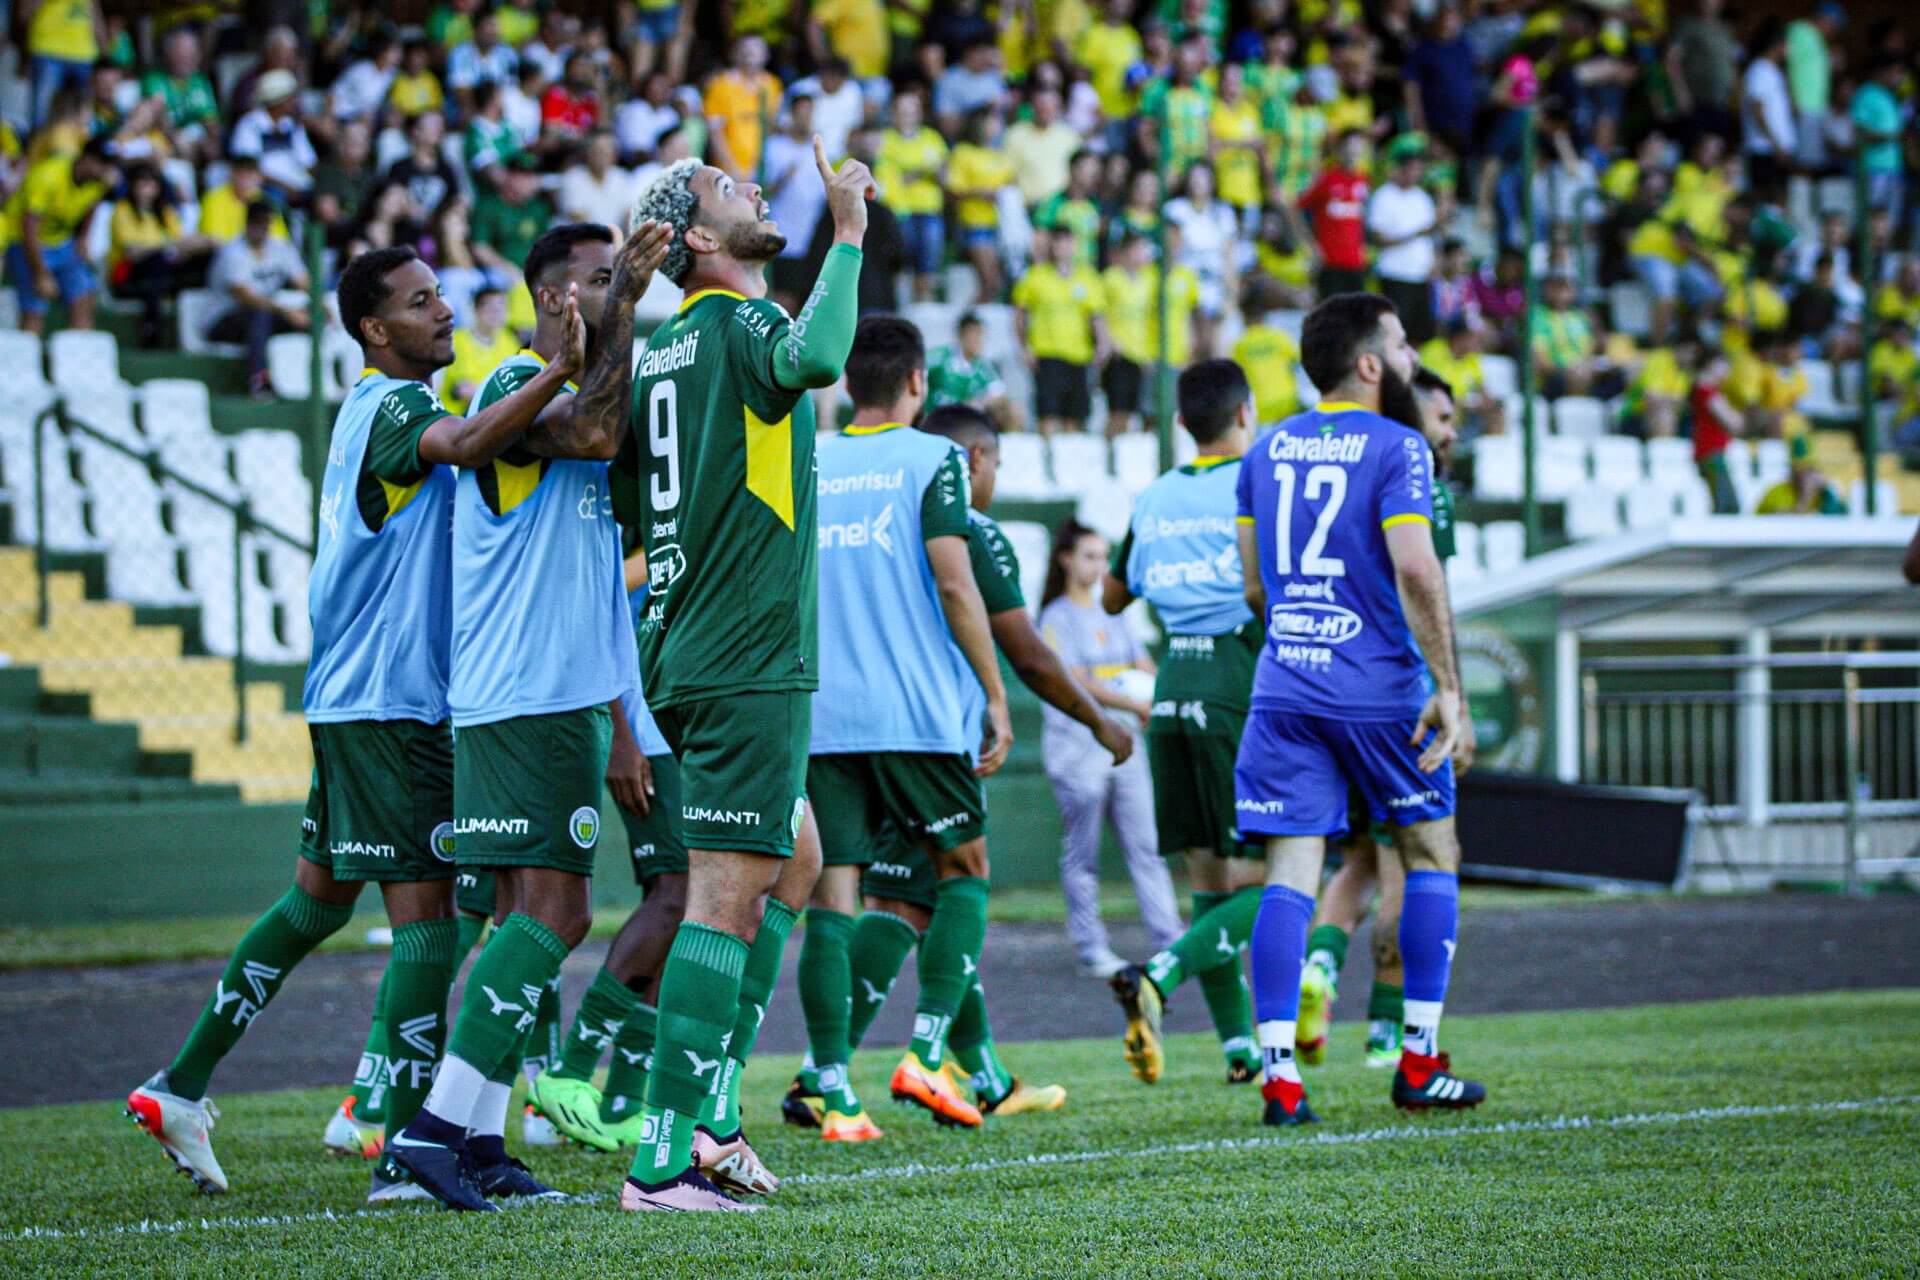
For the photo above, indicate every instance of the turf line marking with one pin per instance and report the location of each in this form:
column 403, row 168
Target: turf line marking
column 886, row 1173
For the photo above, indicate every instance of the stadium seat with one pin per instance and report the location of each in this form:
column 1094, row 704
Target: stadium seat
column 1000, row 343
column 1693, row 498
column 22, row 356
column 125, row 501
column 1823, row 391
column 962, row 285
column 1503, row 545
column 1771, row 461
column 1023, row 466
column 83, row 361
column 1503, row 378
column 108, row 409
column 1580, row 417
column 1079, row 461
column 1670, row 459
column 201, row 459
column 938, row 322
column 1631, row 307
column 1648, row 505
column 1619, row 462
column 1105, row 506
column 267, row 463
column 1847, row 382
column 1465, row 562
column 1136, row 461
column 1032, row 544
column 1560, row 466
column 1593, row 511
column 171, row 408
column 286, row 569
column 1288, row 322
column 1497, row 467
column 196, row 310
column 290, row 365
column 146, row 573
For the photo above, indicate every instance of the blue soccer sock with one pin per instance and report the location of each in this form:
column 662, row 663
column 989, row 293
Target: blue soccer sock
column 1428, row 923
column 1279, row 952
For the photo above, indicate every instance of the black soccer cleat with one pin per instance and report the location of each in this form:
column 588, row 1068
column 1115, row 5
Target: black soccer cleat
column 508, row 1179
column 446, row 1172
column 1286, row 1104
column 801, row 1108
column 1423, row 1082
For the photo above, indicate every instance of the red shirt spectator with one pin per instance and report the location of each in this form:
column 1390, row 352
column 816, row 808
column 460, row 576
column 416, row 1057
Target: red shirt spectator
column 1338, row 202
column 570, row 112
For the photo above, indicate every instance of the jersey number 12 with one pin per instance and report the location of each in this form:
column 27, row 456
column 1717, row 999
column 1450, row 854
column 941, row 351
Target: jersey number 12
column 1325, row 479
column 663, row 437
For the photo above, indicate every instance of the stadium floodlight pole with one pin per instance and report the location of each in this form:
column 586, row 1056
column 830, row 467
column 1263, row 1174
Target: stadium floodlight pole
column 1530, row 502
column 1163, row 371
column 51, row 413
column 1869, row 428
column 242, row 519
column 314, row 452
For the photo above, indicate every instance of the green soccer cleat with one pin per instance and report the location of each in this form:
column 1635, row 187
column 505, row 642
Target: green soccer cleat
column 574, row 1108
column 1383, row 1046
column 1317, row 992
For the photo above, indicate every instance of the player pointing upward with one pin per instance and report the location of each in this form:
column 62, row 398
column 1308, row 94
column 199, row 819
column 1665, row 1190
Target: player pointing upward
column 1335, row 513
column 729, row 642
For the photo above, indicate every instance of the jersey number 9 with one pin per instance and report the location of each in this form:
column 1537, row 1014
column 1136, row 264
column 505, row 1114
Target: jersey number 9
column 663, row 437
column 1324, row 479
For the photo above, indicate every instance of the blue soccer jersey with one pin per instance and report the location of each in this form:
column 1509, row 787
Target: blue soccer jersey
column 1181, row 554
column 1320, row 490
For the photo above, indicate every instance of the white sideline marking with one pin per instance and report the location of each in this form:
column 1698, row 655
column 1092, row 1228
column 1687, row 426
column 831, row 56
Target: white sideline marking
column 1361, row 1137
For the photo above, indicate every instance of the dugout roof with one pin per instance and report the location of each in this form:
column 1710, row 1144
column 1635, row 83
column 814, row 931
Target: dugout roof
column 1721, row 577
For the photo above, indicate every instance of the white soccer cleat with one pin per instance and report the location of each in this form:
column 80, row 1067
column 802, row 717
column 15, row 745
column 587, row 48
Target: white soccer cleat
column 181, row 1128
column 348, row 1135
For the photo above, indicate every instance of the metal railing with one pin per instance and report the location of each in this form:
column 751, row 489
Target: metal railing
column 1840, row 743
column 245, row 523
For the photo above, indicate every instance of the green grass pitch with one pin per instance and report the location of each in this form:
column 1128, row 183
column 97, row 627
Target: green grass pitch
column 1750, row 1137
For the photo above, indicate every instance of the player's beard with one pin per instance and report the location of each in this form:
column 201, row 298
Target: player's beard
column 754, row 243
column 1397, row 400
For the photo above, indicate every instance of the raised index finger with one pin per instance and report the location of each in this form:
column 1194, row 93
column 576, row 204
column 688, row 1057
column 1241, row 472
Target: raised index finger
column 820, row 158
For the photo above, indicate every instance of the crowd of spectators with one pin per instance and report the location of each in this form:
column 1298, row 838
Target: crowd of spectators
column 1694, row 219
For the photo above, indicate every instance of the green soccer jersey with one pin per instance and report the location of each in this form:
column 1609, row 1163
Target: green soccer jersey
column 724, row 461
column 954, row 379
column 996, row 569
column 1443, row 521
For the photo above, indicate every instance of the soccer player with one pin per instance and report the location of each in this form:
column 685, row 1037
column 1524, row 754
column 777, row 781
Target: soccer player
column 380, row 596
column 1181, row 554
column 1335, row 515
column 618, row 1010
column 906, row 634
column 729, row 648
column 1370, row 859
column 537, row 659
column 900, row 892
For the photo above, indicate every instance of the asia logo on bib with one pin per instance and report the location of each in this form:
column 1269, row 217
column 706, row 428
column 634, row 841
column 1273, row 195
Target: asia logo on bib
column 584, row 826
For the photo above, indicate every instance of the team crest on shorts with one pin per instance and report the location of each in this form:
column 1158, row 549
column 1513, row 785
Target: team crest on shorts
column 799, row 815
column 441, row 842
column 584, row 826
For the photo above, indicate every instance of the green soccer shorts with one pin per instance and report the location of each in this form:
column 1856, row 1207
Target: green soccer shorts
column 869, row 803
column 1190, row 752
column 526, row 791
column 654, row 838
column 381, row 804
column 903, row 873
column 743, row 769
column 473, row 893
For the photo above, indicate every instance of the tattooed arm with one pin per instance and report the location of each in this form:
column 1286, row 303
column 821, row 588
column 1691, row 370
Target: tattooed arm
column 592, row 421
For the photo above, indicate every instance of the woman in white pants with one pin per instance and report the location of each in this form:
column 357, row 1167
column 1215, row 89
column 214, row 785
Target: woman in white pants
column 1104, row 656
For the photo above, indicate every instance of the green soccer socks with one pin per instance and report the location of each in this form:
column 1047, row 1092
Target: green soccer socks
column 1222, row 924
column 278, row 940
column 949, row 962
column 756, row 990
column 699, row 1006
column 1327, row 947
column 881, row 944
column 414, row 996
column 370, row 1078
column 626, row 1088
column 971, row 1039
column 825, row 999
column 597, row 1023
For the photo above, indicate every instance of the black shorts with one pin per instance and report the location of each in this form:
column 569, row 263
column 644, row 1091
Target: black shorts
column 1060, row 390
column 1122, row 380
column 1332, row 280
